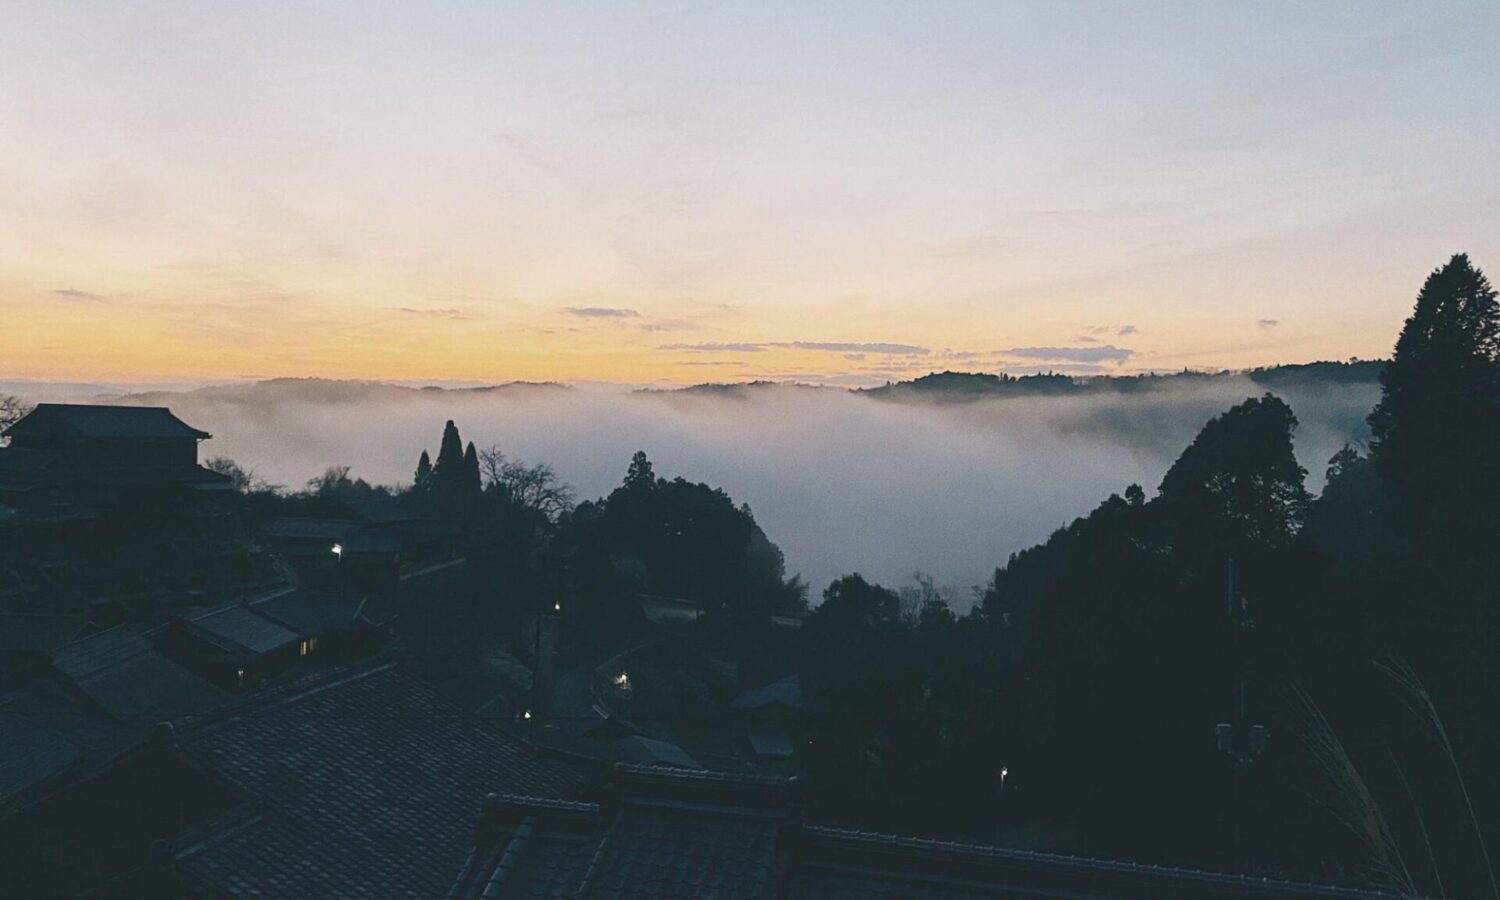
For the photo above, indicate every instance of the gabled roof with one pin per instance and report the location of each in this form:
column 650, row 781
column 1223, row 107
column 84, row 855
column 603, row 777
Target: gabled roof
column 314, row 612
column 83, row 420
column 151, row 688
column 126, row 677
column 243, row 627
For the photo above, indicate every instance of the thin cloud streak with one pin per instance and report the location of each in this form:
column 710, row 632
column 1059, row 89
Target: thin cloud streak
column 821, row 346
column 439, row 313
column 74, row 294
column 1105, row 353
column 601, row 312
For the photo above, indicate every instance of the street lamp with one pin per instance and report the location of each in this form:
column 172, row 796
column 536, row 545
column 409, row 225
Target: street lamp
column 338, row 553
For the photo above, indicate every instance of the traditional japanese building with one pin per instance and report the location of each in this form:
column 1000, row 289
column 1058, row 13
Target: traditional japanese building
column 101, row 458
column 109, row 499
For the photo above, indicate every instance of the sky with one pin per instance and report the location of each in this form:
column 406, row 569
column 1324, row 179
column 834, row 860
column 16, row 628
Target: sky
column 676, row 193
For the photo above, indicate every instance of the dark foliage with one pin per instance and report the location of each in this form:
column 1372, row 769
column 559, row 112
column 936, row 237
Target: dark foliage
column 676, row 539
column 1357, row 628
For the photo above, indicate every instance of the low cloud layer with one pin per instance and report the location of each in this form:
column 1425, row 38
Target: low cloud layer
column 842, row 482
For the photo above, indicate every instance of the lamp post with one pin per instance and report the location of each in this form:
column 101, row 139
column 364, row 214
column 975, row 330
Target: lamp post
column 1000, row 807
column 1241, row 740
column 338, row 552
column 536, row 667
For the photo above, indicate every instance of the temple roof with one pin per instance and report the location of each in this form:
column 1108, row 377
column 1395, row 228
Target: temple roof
column 91, row 421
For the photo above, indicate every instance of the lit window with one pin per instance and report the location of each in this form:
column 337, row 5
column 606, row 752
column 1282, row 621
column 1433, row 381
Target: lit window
column 304, row 648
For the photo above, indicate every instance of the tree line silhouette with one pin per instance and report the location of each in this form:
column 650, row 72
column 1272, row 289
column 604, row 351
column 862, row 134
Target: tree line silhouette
column 1233, row 673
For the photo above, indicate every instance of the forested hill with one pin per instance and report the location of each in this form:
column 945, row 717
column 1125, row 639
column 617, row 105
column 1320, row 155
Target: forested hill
column 961, row 386
column 964, row 386
column 937, row 386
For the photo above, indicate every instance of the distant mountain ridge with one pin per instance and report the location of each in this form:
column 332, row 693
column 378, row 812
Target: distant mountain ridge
column 966, row 385
column 943, row 387
column 951, row 386
column 321, row 390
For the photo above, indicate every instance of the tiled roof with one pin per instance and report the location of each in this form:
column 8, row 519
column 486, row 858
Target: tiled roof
column 312, row 612
column 553, row 869
column 57, row 737
column 681, row 833
column 369, row 787
column 835, row 884
column 106, row 421
column 150, row 688
column 676, row 852
column 671, row 833
column 29, row 754
column 545, row 854
column 650, row 751
column 125, row 676
column 96, row 652
column 246, row 628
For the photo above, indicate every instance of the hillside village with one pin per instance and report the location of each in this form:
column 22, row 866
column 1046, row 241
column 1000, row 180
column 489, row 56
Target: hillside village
column 210, row 689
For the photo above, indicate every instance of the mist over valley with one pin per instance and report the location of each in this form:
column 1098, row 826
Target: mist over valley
column 947, row 480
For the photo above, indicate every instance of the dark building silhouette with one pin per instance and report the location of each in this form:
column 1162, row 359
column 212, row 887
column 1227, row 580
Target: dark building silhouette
column 101, row 455
column 111, row 501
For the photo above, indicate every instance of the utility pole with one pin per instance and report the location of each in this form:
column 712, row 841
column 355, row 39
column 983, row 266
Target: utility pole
column 1240, row 739
column 536, row 668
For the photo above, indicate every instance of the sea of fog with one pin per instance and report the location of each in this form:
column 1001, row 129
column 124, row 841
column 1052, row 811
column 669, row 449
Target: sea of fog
column 842, row 482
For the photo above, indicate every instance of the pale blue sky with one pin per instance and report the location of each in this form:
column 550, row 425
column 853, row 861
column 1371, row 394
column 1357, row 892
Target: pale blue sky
column 437, row 189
